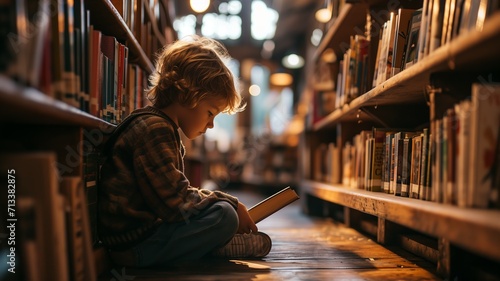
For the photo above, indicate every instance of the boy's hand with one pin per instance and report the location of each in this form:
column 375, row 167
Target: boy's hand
column 246, row 223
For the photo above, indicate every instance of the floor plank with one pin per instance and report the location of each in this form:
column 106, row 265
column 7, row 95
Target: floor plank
column 304, row 248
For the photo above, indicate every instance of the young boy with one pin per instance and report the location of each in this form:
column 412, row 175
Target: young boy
column 149, row 215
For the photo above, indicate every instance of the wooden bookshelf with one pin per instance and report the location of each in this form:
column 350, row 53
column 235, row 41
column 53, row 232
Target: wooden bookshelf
column 465, row 52
column 402, row 101
column 24, row 105
column 435, row 219
column 36, row 121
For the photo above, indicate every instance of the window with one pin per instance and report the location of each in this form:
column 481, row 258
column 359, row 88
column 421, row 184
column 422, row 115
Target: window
column 226, row 22
column 264, row 21
column 282, row 112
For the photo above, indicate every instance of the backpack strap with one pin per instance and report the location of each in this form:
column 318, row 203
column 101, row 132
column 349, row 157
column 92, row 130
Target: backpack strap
column 108, row 144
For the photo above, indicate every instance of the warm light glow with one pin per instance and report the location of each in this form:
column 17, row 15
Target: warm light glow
column 323, row 15
column 329, row 56
column 296, row 126
column 281, row 79
column 292, row 140
column 302, row 109
column 293, row 61
column 254, row 90
column 199, row 6
column 253, row 265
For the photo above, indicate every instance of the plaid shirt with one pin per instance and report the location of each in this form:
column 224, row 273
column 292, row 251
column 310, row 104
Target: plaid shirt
column 143, row 182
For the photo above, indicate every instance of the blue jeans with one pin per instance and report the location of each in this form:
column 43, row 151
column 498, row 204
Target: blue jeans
column 188, row 240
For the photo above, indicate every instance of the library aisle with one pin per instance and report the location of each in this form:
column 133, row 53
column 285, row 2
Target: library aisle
column 304, row 248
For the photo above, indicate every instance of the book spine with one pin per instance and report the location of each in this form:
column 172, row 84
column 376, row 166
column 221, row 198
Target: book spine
column 436, row 174
column 398, row 168
column 378, row 159
column 451, row 133
column 406, row 169
column 388, row 155
column 424, row 185
column 485, row 143
column 416, row 167
column 463, row 111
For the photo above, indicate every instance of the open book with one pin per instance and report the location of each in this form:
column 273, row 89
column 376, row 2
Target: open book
column 272, row 204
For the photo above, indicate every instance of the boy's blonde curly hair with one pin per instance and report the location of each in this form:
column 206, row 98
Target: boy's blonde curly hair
column 191, row 69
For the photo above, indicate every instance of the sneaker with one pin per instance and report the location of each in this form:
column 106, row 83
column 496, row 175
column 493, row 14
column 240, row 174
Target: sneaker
column 252, row 245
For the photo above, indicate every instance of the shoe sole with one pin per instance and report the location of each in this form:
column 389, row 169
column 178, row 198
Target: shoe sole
column 237, row 247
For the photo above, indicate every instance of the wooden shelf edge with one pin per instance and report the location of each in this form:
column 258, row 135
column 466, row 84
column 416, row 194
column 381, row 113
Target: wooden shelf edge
column 411, row 82
column 458, row 225
column 20, row 103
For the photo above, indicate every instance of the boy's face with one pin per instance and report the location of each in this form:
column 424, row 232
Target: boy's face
column 195, row 121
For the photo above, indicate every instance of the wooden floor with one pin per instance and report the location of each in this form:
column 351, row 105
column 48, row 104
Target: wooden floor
column 304, row 248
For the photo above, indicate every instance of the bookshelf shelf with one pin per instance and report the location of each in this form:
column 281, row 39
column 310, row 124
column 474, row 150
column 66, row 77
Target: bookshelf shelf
column 435, row 219
column 22, row 104
column 466, row 52
column 107, row 19
column 340, row 147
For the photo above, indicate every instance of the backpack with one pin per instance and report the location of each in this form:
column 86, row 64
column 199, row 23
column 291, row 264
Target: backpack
column 100, row 153
column 105, row 148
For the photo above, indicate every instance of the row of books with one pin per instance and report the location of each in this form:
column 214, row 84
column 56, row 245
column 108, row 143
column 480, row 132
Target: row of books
column 116, row 87
column 442, row 20
column 394, row 36
column 323, row 102
column 454, row 162
column 148, row 22
column 408, row 36
column 50, row 223
column 353, row 70
column 376, row 160
column 466, row 164
column 56, row 49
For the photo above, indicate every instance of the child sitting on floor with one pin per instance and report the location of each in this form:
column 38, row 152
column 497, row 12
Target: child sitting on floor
column 149, row 214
